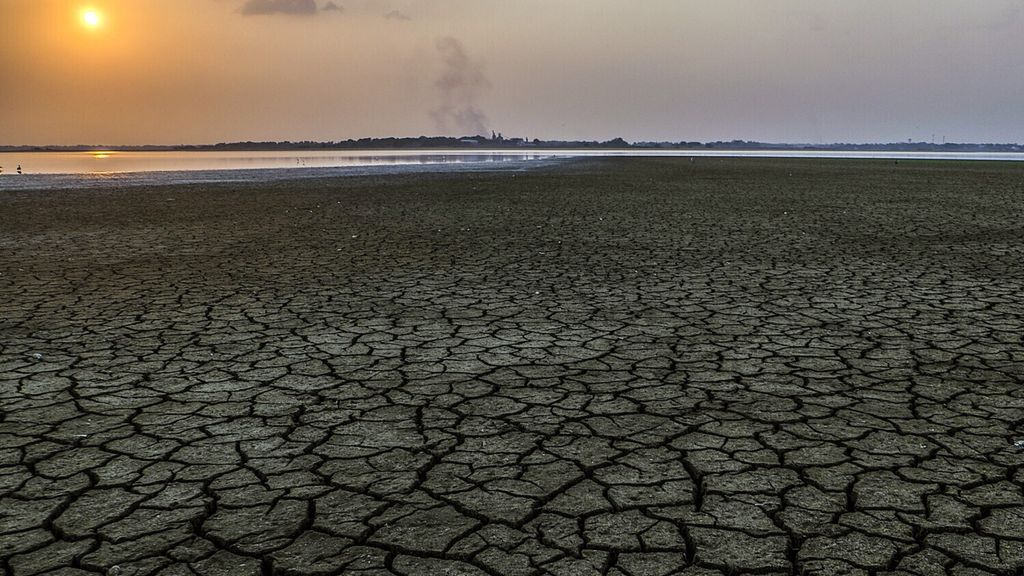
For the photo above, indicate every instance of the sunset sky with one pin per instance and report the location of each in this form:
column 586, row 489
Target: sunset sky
column 206, row 71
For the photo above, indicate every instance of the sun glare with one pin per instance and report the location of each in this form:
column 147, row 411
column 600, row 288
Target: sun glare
column 91, row 18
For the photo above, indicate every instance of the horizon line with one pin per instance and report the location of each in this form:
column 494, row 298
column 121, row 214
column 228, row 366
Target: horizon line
column 483, row 140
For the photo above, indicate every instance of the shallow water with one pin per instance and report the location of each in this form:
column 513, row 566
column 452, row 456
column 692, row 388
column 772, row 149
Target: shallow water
column 110, row 162
column 160, row 178
column 108, row 168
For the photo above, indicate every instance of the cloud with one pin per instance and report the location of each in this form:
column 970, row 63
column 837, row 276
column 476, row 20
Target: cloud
column 459, row 86
column 397, row 15
column 261, row 7
column 332, row 7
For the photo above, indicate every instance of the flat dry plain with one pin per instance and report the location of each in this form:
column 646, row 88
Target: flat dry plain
column 617, row 367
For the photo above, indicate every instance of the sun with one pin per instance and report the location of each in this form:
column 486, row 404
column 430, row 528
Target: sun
column 91, row 18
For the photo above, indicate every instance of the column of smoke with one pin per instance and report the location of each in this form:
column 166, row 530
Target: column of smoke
column 460, row 84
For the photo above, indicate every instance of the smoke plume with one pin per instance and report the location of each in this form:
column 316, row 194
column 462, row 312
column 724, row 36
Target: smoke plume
column 261, row 7
column 459, row 85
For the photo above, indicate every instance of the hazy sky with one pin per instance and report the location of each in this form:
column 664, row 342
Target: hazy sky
column 204, row 71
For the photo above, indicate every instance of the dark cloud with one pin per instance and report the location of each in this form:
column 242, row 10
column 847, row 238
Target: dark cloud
column 260, row 7
column 332, row 7
column 397, row 15
column 459, row 85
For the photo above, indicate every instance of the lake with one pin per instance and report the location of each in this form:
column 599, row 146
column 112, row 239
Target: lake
column 110, row 162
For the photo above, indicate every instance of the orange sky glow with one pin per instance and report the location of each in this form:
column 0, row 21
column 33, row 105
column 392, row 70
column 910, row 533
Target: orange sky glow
column 205, row 71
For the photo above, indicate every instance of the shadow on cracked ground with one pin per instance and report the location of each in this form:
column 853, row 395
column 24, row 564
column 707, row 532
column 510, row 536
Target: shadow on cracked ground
column 629, row 367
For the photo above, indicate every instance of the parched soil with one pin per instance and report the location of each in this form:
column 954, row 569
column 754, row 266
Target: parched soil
column 619, row 367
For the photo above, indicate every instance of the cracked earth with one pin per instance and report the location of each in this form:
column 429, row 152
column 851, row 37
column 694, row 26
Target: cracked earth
column 612, row 367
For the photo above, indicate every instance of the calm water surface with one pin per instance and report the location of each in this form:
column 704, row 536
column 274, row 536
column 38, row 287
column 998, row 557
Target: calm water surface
column 69, row 170
column 122, row 162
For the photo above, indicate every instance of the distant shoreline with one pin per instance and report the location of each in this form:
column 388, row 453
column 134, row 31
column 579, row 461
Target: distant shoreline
column 493, row 144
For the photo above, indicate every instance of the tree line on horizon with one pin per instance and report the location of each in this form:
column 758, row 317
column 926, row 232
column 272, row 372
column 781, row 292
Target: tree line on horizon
column 497, row 141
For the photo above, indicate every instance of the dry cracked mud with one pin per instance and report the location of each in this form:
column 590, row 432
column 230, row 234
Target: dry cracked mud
column 616, row 367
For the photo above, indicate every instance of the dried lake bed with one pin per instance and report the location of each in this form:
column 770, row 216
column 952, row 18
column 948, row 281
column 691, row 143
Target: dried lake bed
column 598, row 366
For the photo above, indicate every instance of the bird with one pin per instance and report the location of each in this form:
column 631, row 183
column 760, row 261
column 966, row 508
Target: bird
column 19, row 168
